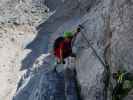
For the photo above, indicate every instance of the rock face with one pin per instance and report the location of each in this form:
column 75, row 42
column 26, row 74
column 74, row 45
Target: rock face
column 121, row 41
column 45, row 83
column 22, row 11
column 121, row 27
column 107, row 26
column 17, row 29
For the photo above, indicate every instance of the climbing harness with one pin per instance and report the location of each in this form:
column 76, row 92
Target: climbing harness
column 121, row 78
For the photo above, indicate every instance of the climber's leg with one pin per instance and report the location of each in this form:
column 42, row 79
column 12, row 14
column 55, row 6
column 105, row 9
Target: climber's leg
column 59, row 61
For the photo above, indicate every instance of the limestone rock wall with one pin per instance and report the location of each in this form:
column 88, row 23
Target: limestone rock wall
column 107, row 25
column 18, row 19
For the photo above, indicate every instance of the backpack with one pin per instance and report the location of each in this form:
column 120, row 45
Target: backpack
column 57, row 42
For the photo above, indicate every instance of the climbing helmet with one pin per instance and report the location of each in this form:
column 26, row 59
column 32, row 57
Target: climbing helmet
column 68, row 34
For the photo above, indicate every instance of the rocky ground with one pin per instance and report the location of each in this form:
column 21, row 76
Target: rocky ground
column 18, row 19
column 11, row 51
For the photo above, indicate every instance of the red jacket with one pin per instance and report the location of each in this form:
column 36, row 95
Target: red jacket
column 66, row 48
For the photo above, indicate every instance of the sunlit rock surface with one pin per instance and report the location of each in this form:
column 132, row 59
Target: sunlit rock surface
column 107, row 26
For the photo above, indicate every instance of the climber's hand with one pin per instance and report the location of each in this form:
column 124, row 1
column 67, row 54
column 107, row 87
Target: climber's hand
column 78, row 29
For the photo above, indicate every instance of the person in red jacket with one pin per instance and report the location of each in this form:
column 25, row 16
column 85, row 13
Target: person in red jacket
column 63, row 46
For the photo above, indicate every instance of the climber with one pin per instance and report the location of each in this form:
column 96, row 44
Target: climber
column 63, row 46
column 121, row 78
column 118, row 89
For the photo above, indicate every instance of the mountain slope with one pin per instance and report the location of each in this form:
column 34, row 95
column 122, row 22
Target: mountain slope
column 107, row 25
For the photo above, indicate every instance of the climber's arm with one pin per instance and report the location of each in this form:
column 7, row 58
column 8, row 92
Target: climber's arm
column 77, row 32
column 61, row 52
column 61, row 56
